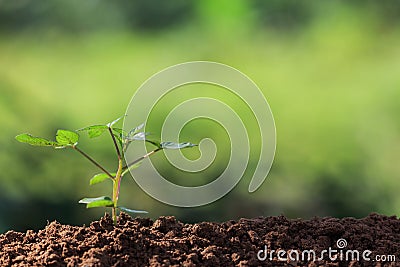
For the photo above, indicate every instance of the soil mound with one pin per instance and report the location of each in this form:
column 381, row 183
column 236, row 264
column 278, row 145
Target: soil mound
column 246, row 242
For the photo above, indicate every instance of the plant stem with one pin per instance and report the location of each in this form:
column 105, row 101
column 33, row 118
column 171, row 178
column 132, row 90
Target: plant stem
column 126, row 168
column 93, row 161
column 115, row 143
column 122, row 170
column 116, row 189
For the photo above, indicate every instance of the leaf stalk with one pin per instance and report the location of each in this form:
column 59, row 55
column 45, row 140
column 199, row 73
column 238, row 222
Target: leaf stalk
column 92, row 161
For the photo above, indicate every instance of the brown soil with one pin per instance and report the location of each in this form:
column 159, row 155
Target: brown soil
column 166, row 242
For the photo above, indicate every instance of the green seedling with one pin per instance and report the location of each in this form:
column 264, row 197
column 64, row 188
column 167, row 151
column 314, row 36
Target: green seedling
column 69, row 140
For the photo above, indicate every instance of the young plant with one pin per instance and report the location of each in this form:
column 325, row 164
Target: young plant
column 121, row 140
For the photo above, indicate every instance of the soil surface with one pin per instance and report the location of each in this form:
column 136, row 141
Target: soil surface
column 168, row 242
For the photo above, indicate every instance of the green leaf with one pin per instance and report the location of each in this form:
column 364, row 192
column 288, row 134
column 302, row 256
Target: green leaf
column 109, row 125
column 139, row 136
column 118, row 131
column 65, row 137
column 101, row 177
column 172, row 145
column 132, row 211
column 97, row 130
column 97, row 202
column 133, row 135
column 135, row 130
column 94, row 130
column 35, row 141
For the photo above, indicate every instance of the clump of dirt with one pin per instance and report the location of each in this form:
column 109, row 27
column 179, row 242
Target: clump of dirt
column 246, row 242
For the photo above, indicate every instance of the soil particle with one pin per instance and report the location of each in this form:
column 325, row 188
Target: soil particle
column 168, row 242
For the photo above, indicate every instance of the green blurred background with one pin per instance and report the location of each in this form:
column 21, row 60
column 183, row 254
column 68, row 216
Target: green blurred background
column 329, row 69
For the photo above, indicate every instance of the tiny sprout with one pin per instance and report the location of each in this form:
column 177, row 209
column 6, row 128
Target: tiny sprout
column 121, row 140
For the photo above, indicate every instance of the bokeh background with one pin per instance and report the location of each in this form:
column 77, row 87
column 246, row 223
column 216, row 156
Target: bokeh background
column 329, row 69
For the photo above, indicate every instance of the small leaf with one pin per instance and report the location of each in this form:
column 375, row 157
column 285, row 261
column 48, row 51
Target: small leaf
column 132, row 211
column 109, row 125
column 130, row 136
column 65, row 137
column 97, row 202
column 135, row 135
column 87, row 200
column 101, row 177
column 94, row 130
column 139, row 136
column 135, row 130
column 118, row 131
column 35, row 141
column 172, row 145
